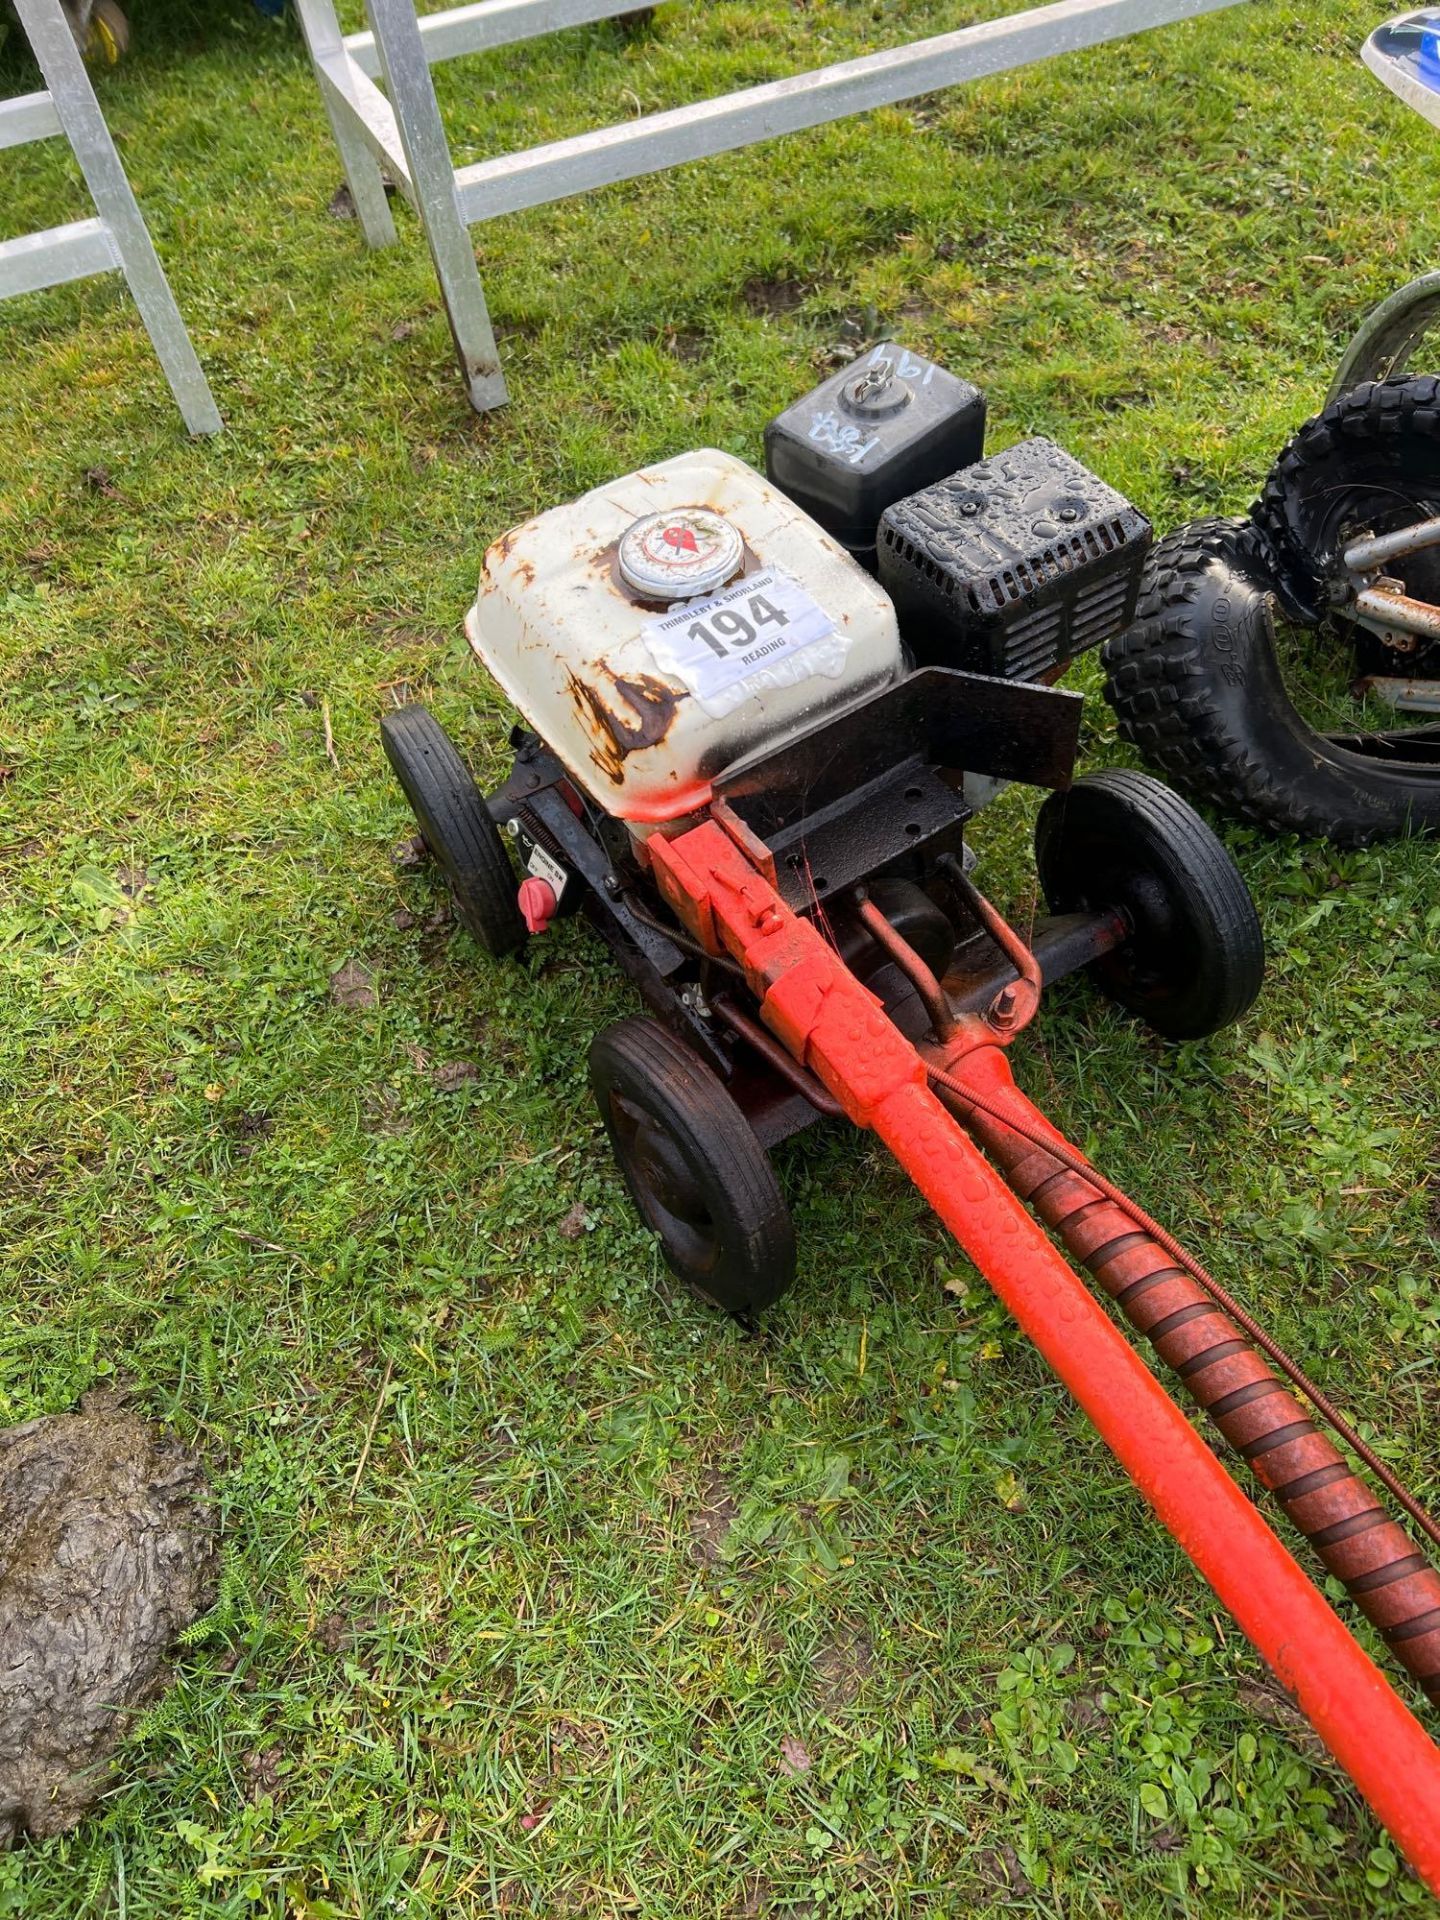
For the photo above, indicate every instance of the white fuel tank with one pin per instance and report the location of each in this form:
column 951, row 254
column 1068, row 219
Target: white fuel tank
column 667, row 624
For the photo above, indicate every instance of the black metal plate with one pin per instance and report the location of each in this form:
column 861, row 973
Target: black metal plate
column 855, row 837
column 962, row 722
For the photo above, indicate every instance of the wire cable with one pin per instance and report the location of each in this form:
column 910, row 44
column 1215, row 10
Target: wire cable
column 1271, row 1348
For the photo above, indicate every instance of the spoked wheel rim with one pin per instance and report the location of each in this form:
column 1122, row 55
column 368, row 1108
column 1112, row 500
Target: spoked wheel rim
column 667, row 1189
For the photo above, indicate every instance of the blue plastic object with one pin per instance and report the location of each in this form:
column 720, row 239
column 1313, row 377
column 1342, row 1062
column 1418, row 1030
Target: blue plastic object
column 1405, row 53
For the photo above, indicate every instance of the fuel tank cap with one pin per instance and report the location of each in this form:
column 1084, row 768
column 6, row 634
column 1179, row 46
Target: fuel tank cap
column 878, row 392
column 680, row 554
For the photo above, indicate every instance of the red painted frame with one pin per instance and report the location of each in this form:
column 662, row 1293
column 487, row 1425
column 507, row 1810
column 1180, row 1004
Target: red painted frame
column 837, row 1029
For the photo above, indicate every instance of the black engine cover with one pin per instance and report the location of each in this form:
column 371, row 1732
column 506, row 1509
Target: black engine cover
column 1013, row 565
column 888, row 423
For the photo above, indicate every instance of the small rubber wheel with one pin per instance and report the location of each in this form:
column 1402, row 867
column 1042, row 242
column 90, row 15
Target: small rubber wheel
column 1195, row 959
column 456, row 826
column 700, row 1179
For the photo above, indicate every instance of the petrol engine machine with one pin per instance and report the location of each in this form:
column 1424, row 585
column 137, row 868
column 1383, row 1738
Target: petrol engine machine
column 759, row 715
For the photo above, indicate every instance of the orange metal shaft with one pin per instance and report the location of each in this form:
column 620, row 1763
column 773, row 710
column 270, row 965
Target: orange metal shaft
column 834, row 1027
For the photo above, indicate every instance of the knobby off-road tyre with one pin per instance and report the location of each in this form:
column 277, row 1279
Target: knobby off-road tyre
column 699, row 1177
column 1368, row 463
column 456, row 826
column 1389, row 336
column 1197, row 689
column 1195, row 959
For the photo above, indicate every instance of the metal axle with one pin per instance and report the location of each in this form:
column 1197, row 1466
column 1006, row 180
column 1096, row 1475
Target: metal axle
column 1393, row 612
column 1366, row 556
column 1381, row 602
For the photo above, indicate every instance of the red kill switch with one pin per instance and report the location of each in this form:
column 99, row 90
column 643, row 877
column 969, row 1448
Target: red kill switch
column 537, row 904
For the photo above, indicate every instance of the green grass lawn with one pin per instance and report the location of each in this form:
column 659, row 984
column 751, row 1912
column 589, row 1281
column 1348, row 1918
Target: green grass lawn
column 547, row 1591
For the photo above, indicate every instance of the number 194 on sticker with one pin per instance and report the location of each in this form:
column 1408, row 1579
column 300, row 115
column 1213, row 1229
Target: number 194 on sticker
column 735, row 629
column 712, row 644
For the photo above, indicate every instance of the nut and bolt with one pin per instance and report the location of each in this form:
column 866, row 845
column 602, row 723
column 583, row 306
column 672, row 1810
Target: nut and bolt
column 1002, row 1009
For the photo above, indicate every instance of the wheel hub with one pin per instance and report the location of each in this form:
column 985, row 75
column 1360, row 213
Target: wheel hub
column 670, row 1195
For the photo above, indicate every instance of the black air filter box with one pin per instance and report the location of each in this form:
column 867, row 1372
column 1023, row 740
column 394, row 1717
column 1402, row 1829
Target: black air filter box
column 888, row 423
column 1013, row 565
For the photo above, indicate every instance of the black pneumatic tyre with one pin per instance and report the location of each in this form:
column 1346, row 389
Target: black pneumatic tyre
column 1195, row 959
column 699, row 1178
column 1369, row 463
column 456, row 826
column 1197, row 689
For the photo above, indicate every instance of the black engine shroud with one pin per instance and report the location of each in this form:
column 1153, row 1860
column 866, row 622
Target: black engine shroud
column 1009, row 565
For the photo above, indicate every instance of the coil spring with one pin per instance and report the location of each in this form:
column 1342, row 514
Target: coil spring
column 1386, row 1575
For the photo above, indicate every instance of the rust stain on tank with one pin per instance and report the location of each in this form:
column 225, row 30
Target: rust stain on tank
column 651, row 705
column 503, row 547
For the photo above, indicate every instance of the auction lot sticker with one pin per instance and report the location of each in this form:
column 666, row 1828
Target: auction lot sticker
column 764, row 632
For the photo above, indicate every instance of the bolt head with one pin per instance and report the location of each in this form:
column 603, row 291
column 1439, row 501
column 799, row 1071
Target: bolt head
column 1002, row 1009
